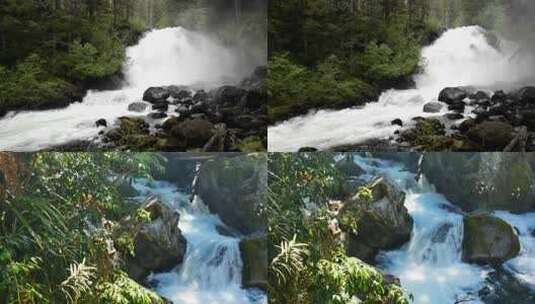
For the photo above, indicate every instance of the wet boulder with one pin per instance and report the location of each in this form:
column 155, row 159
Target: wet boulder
column 159, row 243
column 253, row 251
column 137, row 107
column 488, row 240
column 179, row 92
column 452, row 95
column 383, row 223
column 491, row 135
column 527, row 95
column 101, row 123
column 194, row 133
column 348, row 167
column 156, row 94
column 160, row 106
column 480, row 97
column 234, row 188
column 228, row 95
column 498, row 97
column 483, row 181
column 157, row 115
column 397, row 121
column 432, row 107
column 200, row 96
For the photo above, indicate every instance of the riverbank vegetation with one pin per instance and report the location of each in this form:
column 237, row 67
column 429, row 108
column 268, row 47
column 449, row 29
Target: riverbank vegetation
column 332, row 54
column 59, row 223
column 52, row 51
column 308, row 263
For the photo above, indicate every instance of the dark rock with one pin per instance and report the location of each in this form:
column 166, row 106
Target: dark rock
column 491, row 135
column 457, row 107
column 397, row 121
column 527, row 95
column 432, row 107
column 200, row 96
column 454, row 116
column 255, row 262
column 452, row 95
column 228, row 95
column 179, row 92
column 498, row 97
column 159, row 244
column 462, row 179
column 160, row 106
column 488, row 240
column 156, row 94
column 348, row 167
column 101, row 123
column 247, row 122
column 157, row 115
column 307, row 149
column 480, row 96
column 383, row 223
column 234, row 188
column 137, row 107
column 194, row 133
column 184, row 111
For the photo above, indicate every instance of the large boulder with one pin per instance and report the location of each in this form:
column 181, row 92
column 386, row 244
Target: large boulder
column 193, row 133
column 432, row 107
column 255, row 261
column 159, row 243
column 488, row 240
column 452, row 95
column 348, row 167
column 228, row 95
column 235, row 188
column 488, row 181
column 383, row 223
column 491, row 135
column 156, row 94
column 527, row 95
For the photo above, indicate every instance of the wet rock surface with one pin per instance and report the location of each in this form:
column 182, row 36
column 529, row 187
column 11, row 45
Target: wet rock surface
column 229, row 118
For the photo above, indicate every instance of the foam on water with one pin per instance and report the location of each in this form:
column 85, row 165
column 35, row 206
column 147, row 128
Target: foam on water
column 212, row 267
column 460, row 57
column 170, row 56
column 429, row 266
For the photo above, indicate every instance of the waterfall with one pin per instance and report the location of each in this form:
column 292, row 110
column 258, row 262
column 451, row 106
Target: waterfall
column 460, row 57
column 212, row 267
column 170, row 56
column 429, row 266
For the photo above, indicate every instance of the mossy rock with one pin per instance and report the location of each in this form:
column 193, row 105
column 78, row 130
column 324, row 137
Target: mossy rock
column 255, row 262
column 488, row 240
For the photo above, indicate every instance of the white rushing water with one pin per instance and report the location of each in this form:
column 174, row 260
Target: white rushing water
column 212, row 266
column 429, row 266
column 460, row 57
column 170, row 56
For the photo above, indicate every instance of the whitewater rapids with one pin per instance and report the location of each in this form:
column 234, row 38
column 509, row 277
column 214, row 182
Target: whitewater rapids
column 430, row 265
column 170, row 56
column 211, row 272
column 460, row 57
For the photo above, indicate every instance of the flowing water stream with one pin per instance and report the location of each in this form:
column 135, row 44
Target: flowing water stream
column 170, row 56
column 429, row 265
column 460, row 57
column 212, row 267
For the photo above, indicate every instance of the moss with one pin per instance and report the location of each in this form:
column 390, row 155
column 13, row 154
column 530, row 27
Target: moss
column 252, row 144
column 482, row 233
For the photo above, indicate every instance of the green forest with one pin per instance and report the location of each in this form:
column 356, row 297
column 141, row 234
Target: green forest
column 50, row 251
column 52, row 51
column 335, row 54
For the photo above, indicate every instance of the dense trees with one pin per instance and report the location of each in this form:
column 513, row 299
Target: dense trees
column 58, row 212
column 375, row 42
column 50, row 50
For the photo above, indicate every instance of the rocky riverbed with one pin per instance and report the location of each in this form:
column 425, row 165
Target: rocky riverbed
column 182, row 118
column 478, row 120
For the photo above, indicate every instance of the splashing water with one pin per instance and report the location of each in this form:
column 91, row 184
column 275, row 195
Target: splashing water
column 429, row 266
column 170, row 56
column 460, row 57
column 212, row 267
